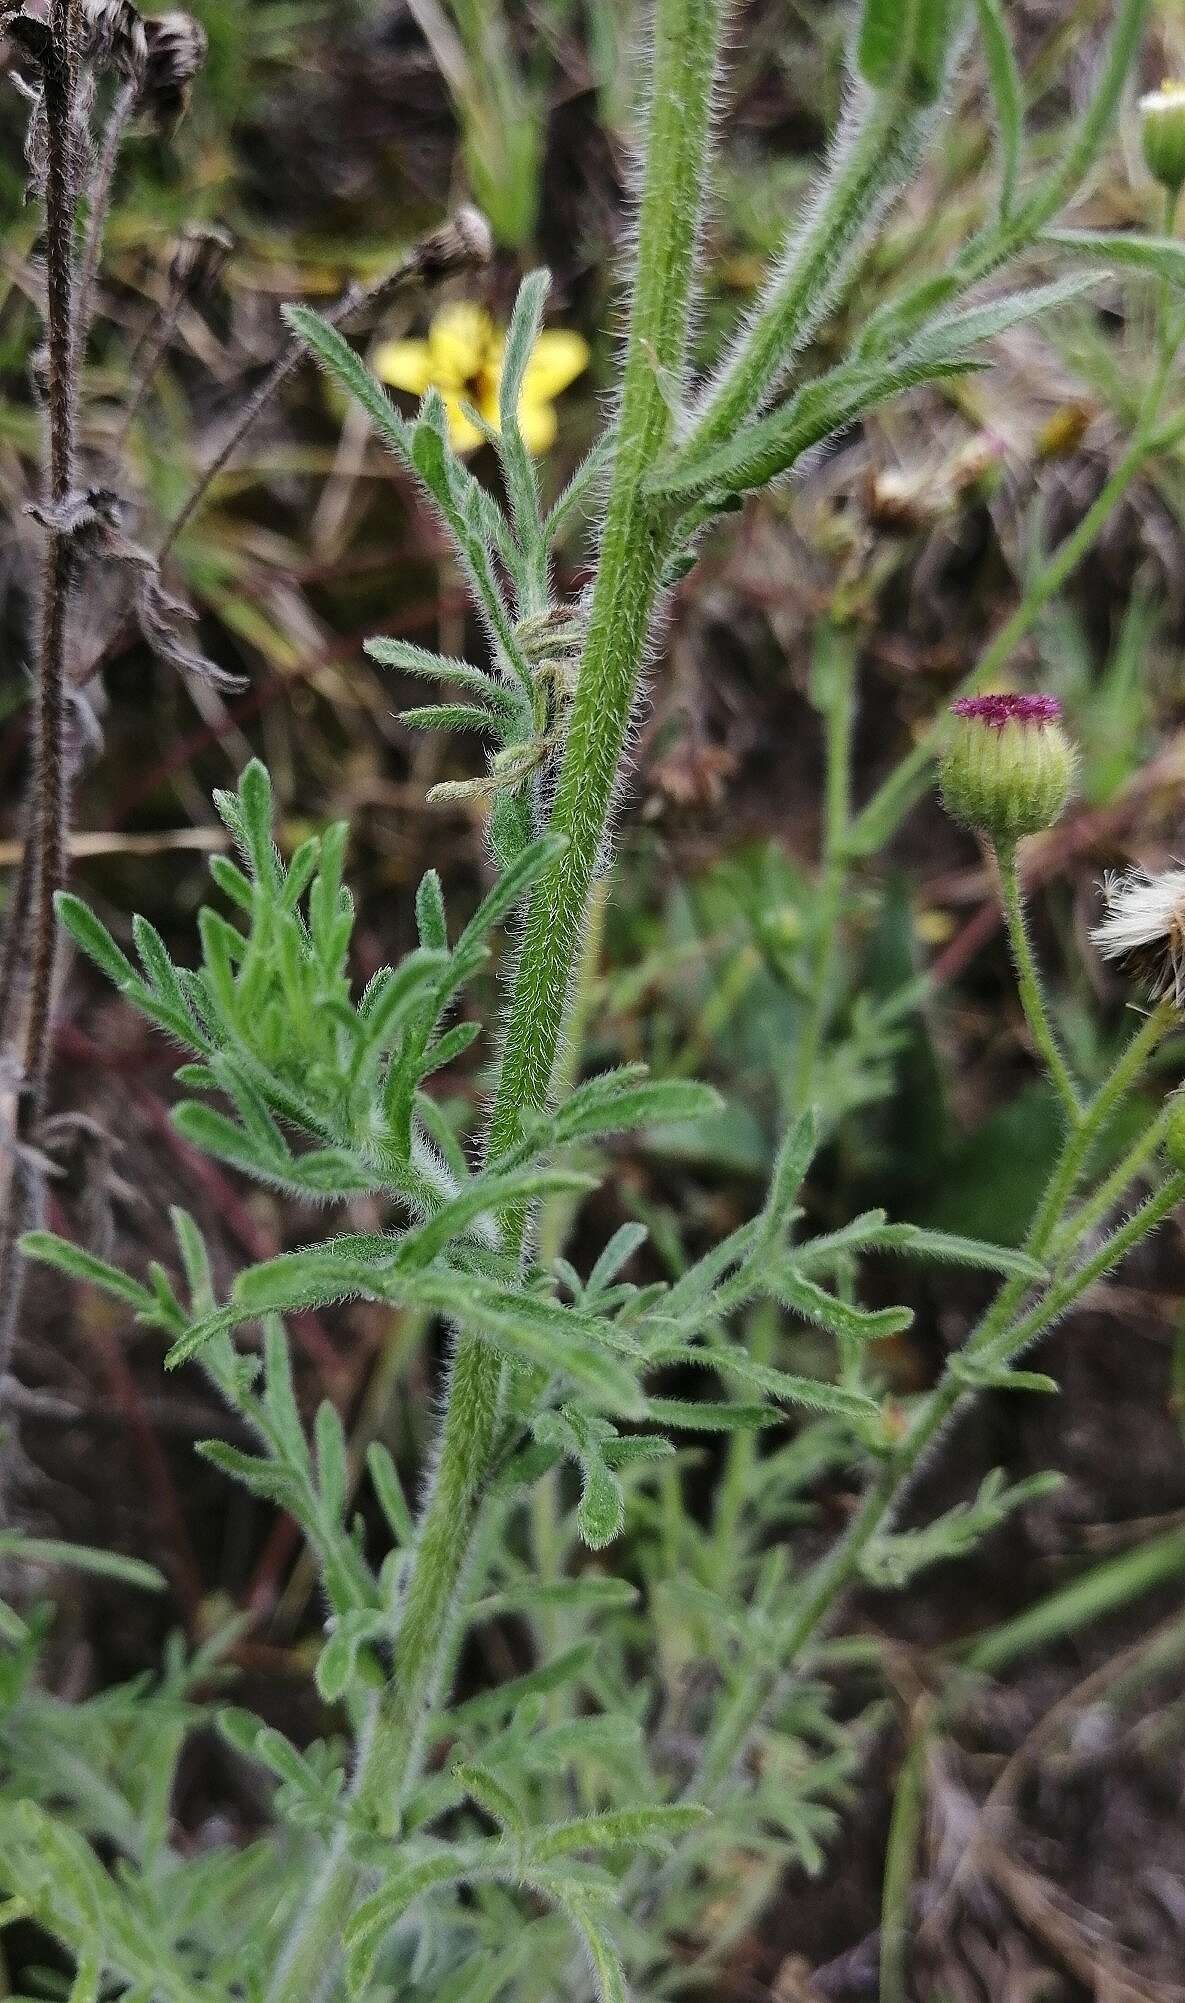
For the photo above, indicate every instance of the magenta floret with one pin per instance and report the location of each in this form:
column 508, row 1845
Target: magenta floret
column 997, row 710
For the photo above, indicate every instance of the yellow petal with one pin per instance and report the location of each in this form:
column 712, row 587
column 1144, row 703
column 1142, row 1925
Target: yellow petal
column 557, row 358
column 405, row 365
column 463, row 433
column 537, row 423
column 459, row 341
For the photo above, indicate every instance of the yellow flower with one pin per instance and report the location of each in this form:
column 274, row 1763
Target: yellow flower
column 462, row 358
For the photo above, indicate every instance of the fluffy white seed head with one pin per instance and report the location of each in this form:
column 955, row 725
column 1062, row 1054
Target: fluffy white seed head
column 1143, row 930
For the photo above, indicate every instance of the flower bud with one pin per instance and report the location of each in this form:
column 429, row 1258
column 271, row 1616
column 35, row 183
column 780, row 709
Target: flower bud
column 464, row 243
column 1008, row 765
column 1162, row 129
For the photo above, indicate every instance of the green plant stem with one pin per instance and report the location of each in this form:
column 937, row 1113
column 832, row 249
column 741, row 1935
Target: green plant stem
column 1009, row 236
column 901, row 1856
column 835, row 671
column 1112, row 1191
column 625, row 594
column 868, row 165
column 1068, row 1168
column 820, row 1590
column 889, row 805
column 1028, row 979
column 837, row 1569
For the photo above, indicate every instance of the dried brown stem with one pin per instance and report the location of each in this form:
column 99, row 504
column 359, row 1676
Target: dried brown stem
column 49, row 808
column 99, row 206
column 462, row 242
column 47, row 825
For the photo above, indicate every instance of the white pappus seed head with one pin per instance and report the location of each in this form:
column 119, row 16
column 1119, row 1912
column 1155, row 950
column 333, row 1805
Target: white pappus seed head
column 1143, row 930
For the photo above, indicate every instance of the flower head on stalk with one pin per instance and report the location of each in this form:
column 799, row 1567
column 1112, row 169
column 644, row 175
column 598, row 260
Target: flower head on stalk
column 1162, row 130
column 1008, row 766
column 1143, row 930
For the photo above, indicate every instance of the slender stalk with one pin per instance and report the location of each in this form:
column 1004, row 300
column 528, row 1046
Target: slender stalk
column 16, row 918
column 1008, row 236
column 819, row 1593
column 880, row 817
column 459, row 245
column 889, row 805
column 686, row 40
column 50, row 786
column 99, row 206
column 835, row 1571
column 49, row 815
column 872, row 158
column 835, row 673
column 1068, row 1168
column 1111, row 1192
column 1032, row 995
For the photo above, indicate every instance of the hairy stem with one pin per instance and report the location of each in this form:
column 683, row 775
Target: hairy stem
column 872, row 157
column 47, row 819
column 99, row 206
column 49, row 815
column 889, row 805
column 819, row 1593
column 1032, row 997
column 835, row 683
column 686, row 37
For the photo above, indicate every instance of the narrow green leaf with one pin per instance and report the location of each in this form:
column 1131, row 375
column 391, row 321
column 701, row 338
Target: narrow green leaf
column 450, row 716
column 567, row 1668
column 840, row 1318
column 592, row 1593
column 486, row 1196
column 51, row 1250
column 780, row 1384
column 332, row 1469
column 626, row 1240
column 492, row 1796
column 762, row 451
column 518, row 468
column 512, row 885
column 948, row 1248
column 600, row 1516
column 1159, row 256
column 80, row 1558
column 704, row 1416
column 261, row 1477
column 581, row 488
column 953, row 333
column 338, row 358
column 1007, row 98
column 411, row 660
column 622, row 1828
column 793, row 1159
column 370, row 1922
column 389, row 1490
column 89, row 933
column 206, row 1128
column 659, row 1102
column 878, row 40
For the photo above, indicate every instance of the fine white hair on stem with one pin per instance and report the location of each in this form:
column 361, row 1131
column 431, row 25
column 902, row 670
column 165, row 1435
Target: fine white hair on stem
column 1143, row 930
